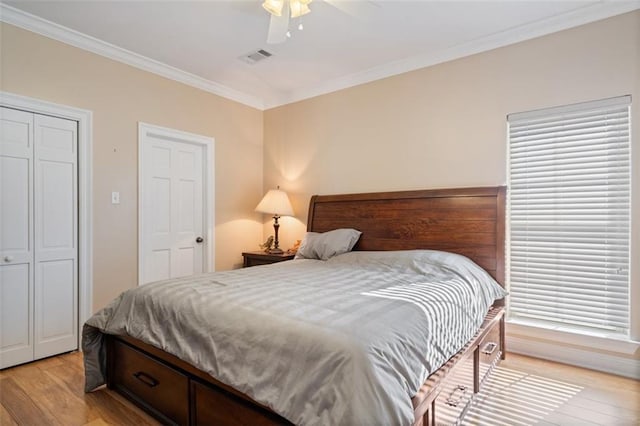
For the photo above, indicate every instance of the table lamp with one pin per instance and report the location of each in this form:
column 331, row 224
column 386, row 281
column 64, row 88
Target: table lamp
column 275, row 202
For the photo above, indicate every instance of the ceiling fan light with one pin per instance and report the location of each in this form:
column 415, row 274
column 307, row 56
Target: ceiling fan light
column 298, row 8
column 274, row 7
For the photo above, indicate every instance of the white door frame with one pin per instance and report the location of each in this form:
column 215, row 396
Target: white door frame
column 85, row 177
column 208, row 199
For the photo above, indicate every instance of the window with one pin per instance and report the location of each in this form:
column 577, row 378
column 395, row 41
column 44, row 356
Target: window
column 569, row 210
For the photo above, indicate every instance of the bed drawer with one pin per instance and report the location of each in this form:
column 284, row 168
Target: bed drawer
column 228, row 409
column 161, row 390
column 456, row 395
column 490, row 351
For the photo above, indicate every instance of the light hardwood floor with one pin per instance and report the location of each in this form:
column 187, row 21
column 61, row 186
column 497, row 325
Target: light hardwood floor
column 524, row 391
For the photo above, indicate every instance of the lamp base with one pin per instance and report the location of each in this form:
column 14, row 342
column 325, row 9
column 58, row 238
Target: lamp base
column 276, row 251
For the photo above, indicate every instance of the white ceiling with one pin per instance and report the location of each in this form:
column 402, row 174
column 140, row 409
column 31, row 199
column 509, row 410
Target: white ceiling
column 343, row 43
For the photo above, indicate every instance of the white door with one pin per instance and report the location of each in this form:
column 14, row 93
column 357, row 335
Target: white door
column 16, row 237
column 172, row 219
column 56, row 225
column 38, row 240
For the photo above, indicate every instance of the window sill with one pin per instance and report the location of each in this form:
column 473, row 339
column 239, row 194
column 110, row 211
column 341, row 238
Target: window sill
column 598, row 341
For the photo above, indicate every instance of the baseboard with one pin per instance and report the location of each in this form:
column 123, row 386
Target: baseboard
column 551, row 351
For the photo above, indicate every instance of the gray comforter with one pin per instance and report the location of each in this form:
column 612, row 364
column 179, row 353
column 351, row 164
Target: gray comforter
column 346, row 341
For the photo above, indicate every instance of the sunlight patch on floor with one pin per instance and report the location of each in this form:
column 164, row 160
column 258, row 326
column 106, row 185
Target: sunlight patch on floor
column 511, row 397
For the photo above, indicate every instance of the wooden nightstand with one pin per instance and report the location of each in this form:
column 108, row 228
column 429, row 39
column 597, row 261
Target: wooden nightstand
column 255, row 258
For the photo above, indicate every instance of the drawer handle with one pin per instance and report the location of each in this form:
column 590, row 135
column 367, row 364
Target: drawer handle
column 489, row 348
column 452, row 400
column 146, row 379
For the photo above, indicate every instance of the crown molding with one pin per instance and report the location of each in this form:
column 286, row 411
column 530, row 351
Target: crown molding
column 49, row 29
column 584, row 15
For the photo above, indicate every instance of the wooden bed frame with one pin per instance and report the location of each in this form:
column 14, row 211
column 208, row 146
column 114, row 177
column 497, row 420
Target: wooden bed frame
column 468, row 221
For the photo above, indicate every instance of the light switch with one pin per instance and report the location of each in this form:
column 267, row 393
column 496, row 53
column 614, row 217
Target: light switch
column 115, row 198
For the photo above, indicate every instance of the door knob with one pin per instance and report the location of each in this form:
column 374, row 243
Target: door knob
column 8, row 258
column 199, row 240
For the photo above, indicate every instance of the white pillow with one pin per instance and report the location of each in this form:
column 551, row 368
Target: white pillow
column 325, row 245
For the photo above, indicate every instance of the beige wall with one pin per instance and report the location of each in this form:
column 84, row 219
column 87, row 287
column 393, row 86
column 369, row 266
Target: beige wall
column 120, row 96
column 445, row 126
column 441, row 126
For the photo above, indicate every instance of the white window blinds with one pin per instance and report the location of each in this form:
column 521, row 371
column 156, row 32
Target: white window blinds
column 569, row 189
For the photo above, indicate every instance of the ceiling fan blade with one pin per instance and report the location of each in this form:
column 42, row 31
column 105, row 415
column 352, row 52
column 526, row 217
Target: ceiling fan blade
column 278, row 26
column 354, row 9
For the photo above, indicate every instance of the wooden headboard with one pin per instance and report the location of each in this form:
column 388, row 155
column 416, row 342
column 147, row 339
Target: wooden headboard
column 468, row 221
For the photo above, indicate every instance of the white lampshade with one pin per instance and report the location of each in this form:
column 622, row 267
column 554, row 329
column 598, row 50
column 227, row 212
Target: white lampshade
column 296, row 8
column 299, row 8
column 275, row 202
column 273, row 6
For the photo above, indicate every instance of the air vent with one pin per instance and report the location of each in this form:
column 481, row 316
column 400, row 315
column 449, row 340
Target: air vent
column 257, row 56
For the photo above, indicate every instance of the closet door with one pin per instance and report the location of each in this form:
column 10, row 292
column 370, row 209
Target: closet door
column 38, row 236
column 16, row 237
column 56, row 224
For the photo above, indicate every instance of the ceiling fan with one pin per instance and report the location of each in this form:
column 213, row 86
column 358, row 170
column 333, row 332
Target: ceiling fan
column 281, row 12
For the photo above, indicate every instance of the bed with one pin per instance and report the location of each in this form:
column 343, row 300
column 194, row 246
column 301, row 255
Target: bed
column 466, row 221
